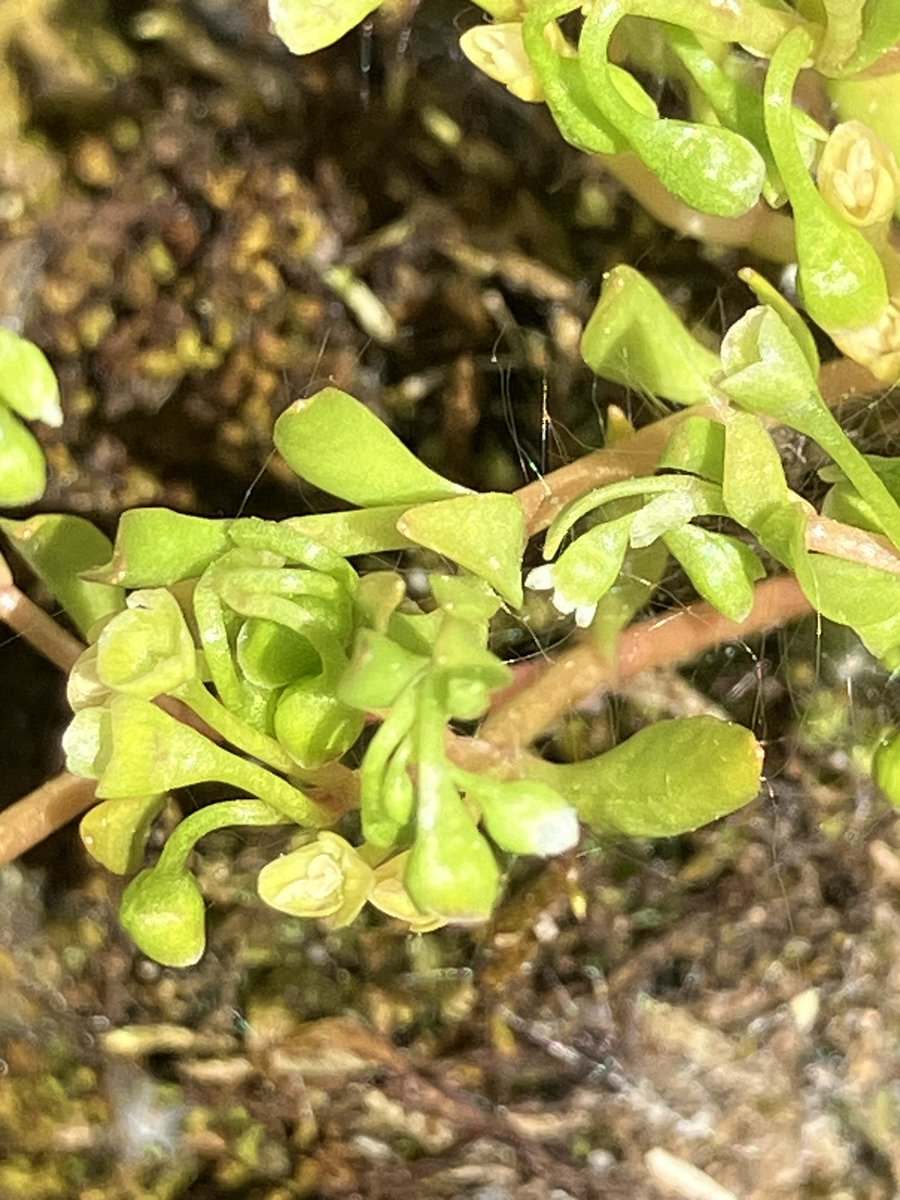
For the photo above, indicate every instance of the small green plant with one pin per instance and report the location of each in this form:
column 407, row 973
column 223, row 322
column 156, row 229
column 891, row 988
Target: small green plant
column 255, row 654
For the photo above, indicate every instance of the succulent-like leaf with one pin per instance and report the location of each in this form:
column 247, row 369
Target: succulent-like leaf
column 87, row 743
column 313, row 725
column 770, row 296
column 156, row 547
column 563, row 86
column 451, row 871
column 152, row 752
column 165, row 916
column 696, row 447
column 767, row 372
column 841, row 277
column 667, row 779
column 270, row 656
column 586, row 570
column 710, row 168
column 523, row 816
column 338, row 445
column 379, row 670
column 635, row 338
column 355, row 531
column 23, row 471
column 115, row 832
column 721, row 568
column 379, row 595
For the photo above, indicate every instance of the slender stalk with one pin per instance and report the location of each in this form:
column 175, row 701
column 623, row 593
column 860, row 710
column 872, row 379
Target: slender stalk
column 42, row 812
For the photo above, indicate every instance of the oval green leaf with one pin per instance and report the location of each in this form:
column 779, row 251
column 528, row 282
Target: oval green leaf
column 337, row 444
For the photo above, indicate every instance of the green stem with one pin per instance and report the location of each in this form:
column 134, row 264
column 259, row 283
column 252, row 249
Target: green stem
column 708, row 493
column 274, row 790
column 187, row 833
column 232, row 728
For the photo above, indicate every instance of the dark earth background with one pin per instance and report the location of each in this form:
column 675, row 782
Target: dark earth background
column 198, row 228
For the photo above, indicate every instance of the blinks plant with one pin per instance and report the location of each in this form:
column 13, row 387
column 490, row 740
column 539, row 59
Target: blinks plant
column 372, row 719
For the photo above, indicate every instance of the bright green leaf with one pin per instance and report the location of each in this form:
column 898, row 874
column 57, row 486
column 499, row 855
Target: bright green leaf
column 841, row 277
column 165, row 917
column 710, row 168
column 451, row 870
column 23, row 471
column 356, row 531
column 669, row 778
column 338, row 445
column 379, row 670
column 27, row 383
column 484, row 533
column 156, row 547
column 696, row 447
column 115, row 832
column 721, row 568
column 635, row 338
column 313, row 725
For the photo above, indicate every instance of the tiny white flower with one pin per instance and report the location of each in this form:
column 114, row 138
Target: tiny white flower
column 541, row 578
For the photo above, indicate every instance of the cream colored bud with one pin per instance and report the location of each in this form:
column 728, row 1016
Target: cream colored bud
column 499, row 52
column 326, row 878
column 858, row 175
column 389, row 895
column 875, row 346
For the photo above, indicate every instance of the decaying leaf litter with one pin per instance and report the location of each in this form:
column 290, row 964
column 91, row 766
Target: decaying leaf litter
column 188, row 240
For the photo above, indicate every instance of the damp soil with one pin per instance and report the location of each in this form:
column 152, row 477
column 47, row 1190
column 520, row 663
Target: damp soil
column 198, row 228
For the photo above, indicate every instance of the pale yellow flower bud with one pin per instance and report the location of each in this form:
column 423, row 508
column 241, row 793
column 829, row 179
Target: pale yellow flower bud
column 858, row 175
column 499, row 52
column 390, row 896
column 326, row 878
column 875, row 346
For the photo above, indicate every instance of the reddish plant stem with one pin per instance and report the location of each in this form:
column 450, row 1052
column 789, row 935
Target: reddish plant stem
column 43, row 811
column 34, row 625
column 555, row 687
